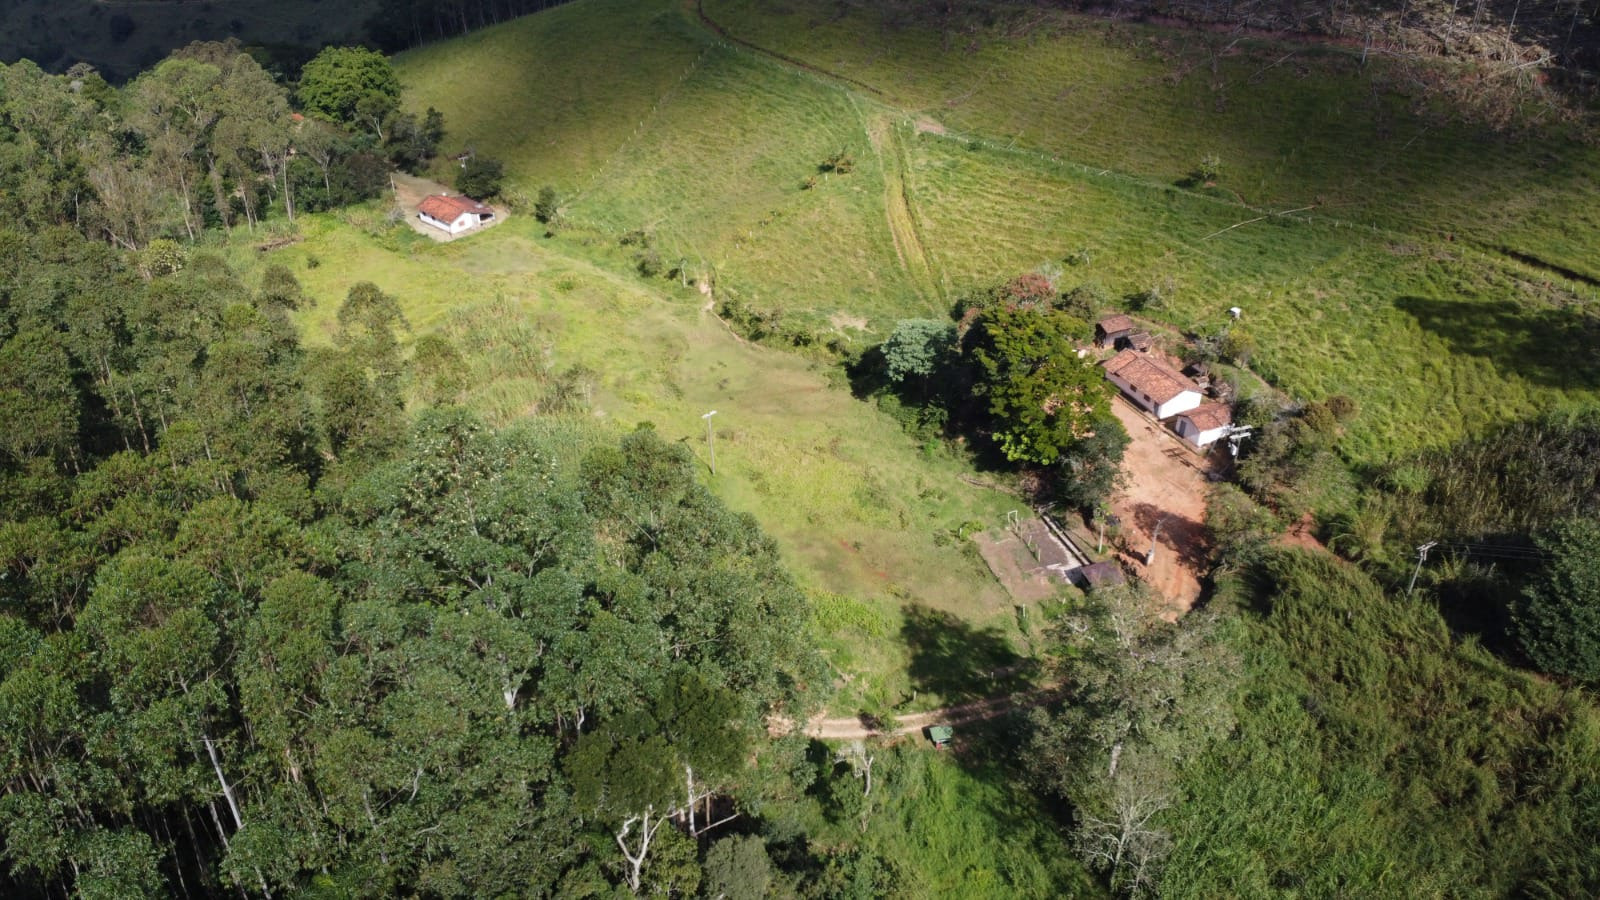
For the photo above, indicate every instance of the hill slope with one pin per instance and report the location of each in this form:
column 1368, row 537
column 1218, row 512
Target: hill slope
column 1389, row 289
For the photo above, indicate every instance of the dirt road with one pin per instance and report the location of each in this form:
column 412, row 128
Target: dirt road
column 851, row 728
column 1165, row 486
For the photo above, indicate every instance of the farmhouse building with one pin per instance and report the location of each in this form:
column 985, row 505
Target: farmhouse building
column 453, row 214
column 1097, row 575
column 1152, row 384
column 1137, row 340
column 1109, row 330
column 1204, row 424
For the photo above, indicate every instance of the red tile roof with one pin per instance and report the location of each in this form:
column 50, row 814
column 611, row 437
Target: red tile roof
column 447, row 209
column 1149, row 376
column 1207, row 416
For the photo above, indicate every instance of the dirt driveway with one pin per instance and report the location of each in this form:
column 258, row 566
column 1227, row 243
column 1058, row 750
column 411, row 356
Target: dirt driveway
column 1164, row 484
column 409, row 190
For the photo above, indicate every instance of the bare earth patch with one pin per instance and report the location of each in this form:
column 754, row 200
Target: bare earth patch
column 844, row 321
column 1165, row 485
column 1015, row 567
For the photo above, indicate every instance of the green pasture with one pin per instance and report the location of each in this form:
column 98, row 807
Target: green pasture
column 865, row 516
column 702, row 145
column 975, row 163
column 1293, row 124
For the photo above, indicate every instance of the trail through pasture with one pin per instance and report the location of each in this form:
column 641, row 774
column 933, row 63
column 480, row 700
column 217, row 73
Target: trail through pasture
column 854, row 728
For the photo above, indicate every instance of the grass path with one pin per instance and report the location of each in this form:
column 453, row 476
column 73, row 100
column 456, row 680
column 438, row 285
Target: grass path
column 908, row 248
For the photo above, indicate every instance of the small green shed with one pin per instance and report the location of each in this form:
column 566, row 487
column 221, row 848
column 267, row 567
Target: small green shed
column 940, row 735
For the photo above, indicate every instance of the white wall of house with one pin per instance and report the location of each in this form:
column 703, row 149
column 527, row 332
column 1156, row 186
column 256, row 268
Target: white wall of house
column 1184, row 402
column 461, row 223
column 1129, row 392
column 1192, row 433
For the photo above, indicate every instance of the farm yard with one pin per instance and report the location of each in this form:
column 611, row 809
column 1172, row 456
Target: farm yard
column 1162, row 501
column 409, row 193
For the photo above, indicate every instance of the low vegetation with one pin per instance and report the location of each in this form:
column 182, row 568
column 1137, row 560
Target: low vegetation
column 1421, row 764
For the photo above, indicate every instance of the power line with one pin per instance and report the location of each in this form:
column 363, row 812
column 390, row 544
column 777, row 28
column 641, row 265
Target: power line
column 1491, row 550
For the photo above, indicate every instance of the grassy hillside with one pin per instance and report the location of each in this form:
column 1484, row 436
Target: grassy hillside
column 1293, row 124
column 976, row 163
column 702, row 145
column 972, row 164
column 1423, row 765
column 863, row 514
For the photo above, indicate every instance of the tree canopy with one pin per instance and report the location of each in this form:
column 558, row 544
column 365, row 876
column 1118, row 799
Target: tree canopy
column 264, row 635
column 1557, row 618
column 1042, row 398
column 349, row 86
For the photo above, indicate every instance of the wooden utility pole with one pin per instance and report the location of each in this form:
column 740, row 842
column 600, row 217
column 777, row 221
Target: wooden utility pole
column 711, row 446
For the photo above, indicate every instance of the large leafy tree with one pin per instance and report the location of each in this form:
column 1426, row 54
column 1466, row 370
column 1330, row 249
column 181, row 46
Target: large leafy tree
column 917, row 348
column 351, row 86
column 1140, row 697
column 1042, row 398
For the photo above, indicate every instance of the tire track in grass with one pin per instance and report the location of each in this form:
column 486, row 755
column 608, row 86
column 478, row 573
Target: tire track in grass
column 902, row 221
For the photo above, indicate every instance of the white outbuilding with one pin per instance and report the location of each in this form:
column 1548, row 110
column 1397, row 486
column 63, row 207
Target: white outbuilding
column 1205, row 424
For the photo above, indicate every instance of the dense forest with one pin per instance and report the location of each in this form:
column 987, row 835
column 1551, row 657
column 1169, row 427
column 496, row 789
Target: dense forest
column 205, row 139
column 259, row 628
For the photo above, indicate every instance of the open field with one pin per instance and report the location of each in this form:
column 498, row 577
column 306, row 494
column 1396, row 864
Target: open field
column 1293, row 124
column 702, row 145
column 865, row 517
column 976, row 164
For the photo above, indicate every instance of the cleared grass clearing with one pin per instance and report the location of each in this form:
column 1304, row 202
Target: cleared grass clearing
column 536, row 93
column 702, row 145
column 1433, row 342
column 863, row 515
column 1292, row 124
column 1067, row 138
column 717, row 178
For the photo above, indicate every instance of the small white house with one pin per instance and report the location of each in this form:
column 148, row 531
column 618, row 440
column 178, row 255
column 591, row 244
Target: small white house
column 453, row 214
column 1152, row 384
column 1205, row 424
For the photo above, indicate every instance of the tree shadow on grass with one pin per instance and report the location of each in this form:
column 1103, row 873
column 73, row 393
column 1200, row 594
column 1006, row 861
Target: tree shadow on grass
column 954, row 659
column 1555, row 347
